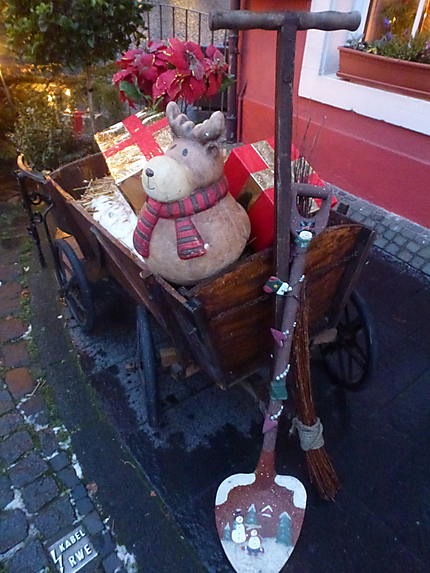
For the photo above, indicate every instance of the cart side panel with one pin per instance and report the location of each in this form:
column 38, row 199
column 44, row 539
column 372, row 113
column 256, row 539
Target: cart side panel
column 74, row 177
column 332, row 268
column 242, row 336
column 239, row 315
column 243, row 283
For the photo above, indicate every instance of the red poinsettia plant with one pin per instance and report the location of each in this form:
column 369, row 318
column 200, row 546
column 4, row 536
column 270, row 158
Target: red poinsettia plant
column 176, row 70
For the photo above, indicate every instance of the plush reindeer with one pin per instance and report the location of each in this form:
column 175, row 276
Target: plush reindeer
column 190, row 226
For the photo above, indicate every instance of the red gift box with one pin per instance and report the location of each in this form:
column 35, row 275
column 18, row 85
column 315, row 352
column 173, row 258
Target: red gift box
column 250, row 172
column 128, row 144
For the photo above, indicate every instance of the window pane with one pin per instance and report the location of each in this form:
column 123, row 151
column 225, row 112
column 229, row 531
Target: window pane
column 396, row 16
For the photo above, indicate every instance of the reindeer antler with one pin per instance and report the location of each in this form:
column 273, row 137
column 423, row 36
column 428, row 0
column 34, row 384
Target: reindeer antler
column 211, row 129
column 179, row 123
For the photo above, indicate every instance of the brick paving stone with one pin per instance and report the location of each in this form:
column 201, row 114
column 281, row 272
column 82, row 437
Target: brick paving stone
column 426, row 269
column 39, row 493
column 14, row 446
column 15, row 354
column 405, row 255
column 6, row 403
column 93, row 523
column 11, row 328
column 392, row 248
column 69, row 478
column 111, row 564
column 10, row 290
column 20, row 382
column 425, row 253
column 380, row 242
column 412, row 246
column 35, row 408
column 9, row 306
column 418, row 262
column 9, row 423
column 29, row 559
column 48, row 441
column 27, row 469
column 59, row 461
column 84, row 506
column 79, row 491
column 13, row 529
column 55, row 517
column 399, row 240
column 6, row 492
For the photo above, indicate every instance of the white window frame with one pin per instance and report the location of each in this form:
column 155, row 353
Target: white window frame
column 318, row 80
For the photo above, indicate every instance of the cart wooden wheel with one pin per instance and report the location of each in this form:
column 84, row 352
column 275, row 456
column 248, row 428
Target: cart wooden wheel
column 350, row 359
column 74, row 285
column 146, row 363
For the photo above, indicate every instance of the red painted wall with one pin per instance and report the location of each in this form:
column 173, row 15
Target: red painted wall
column 385, row 164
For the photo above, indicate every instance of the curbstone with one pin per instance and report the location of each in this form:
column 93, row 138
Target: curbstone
column 9, row 423
column 39, row 493
column 6, row 403
column 6, row 491
column 13, row 529
column 56, row 516
column 14, row 446
column 93, row 523
column 29, row 559
column 112, row 564
column 27, row 470
column 103, row 543
column 59, row 461
column 78, row 492
column 69, row 478
column 84, row 505
column 20, row 382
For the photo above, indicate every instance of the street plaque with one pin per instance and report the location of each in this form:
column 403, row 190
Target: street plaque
column 73, row 551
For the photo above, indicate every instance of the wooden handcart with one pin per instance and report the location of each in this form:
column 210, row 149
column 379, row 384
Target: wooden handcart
column 222, row 323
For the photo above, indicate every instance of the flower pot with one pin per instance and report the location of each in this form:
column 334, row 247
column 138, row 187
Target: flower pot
column 400, row 76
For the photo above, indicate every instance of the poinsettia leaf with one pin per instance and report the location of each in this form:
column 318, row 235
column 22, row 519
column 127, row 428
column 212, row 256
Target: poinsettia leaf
column 131, row 90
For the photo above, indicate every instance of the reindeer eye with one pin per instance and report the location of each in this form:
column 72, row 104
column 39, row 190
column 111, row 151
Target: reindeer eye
column 185, row 152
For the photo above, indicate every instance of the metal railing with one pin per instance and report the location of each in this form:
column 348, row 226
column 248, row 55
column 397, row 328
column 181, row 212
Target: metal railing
column 164, row 21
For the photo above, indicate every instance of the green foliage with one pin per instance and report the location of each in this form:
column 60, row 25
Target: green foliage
column 44, row 133
column 73, row 33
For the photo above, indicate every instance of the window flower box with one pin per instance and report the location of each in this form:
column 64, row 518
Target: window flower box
column 400, row 76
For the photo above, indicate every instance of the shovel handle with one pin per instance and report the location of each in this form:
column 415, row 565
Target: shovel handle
column 248, row 20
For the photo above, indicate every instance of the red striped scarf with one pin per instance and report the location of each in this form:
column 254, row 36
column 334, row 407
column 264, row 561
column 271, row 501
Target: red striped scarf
column 188, row 240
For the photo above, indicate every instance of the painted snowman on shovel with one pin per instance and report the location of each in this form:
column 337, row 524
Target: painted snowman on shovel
column 238, row 534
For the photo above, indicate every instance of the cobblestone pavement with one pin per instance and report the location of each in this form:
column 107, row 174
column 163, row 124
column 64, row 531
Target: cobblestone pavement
column 42, row 491
column 401, row 238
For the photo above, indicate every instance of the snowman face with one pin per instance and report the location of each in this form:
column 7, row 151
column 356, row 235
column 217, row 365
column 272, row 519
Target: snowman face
column 253, row 532
column 239, row 519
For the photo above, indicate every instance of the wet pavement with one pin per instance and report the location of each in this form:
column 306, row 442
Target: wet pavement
column 377, row 437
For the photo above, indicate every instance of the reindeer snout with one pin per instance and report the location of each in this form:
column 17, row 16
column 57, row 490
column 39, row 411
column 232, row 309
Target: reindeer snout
column 149, row 172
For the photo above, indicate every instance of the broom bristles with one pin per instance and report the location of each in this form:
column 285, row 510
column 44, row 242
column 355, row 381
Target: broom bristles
column 321, row 471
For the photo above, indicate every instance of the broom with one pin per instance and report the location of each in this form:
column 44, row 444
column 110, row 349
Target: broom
column 308, row 425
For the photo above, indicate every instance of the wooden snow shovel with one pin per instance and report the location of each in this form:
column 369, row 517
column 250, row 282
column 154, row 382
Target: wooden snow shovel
column 259, row 515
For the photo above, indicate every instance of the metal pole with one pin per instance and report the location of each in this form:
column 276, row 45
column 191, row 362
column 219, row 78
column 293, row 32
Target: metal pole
column 233, row 52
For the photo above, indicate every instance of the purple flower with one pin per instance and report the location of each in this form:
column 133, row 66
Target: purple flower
column 387, row 23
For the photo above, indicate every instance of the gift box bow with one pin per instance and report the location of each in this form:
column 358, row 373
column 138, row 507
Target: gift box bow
column 127, row 145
